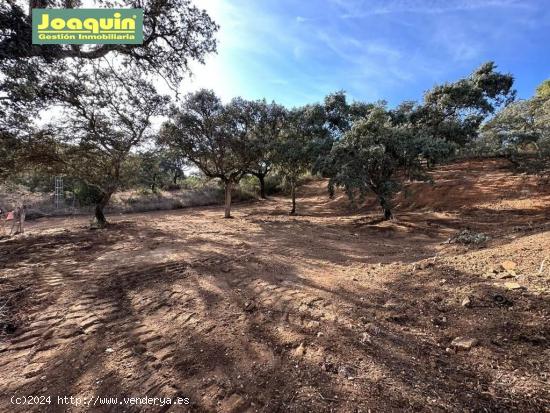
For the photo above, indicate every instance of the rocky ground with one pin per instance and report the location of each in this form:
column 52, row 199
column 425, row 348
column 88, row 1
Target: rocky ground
column 444, row 309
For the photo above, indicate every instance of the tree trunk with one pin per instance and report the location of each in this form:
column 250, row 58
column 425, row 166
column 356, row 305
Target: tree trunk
column 228, row 188
column 99, row 216
column 293, row 194
column 261, row 178
column 386, row 208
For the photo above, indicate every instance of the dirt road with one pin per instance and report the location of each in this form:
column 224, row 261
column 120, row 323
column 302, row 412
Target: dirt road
column 321, row 312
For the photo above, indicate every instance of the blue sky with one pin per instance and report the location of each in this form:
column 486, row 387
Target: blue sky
column 297, row 51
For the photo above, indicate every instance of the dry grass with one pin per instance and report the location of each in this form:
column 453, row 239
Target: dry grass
column 130, row 201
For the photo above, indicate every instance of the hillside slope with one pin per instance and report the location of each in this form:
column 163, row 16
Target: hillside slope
column 323, row 311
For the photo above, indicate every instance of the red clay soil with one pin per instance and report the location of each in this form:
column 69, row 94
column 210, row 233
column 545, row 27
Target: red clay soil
column 321, row 312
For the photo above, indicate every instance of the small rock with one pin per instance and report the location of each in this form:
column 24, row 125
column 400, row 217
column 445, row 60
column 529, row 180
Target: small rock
column 43, row 378
column 140, row 349
column 10, row 328
column 496, row 342
column 513, row 286
column 313, row 324
column 392, row 305
column 463, row 343
column 506, row 275
column 365, row 338
column 346, row 371
column 424, row 264
column 109, row 350
column 508, row 265
column 466, row 302
column 249, row 306
column 373, row 329
column 440, row 321
column 300, row 350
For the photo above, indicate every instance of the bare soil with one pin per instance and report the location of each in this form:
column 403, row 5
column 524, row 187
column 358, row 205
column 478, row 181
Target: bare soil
column 326, row 311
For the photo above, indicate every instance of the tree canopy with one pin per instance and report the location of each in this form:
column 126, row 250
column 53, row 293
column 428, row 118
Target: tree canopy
column 107, row 114
column 264, row 133
column 522, row 128
column 213, row 136
column 302, row 141
column 377, row 154
column 455, row 111
column 175, row 33
column 32, row 77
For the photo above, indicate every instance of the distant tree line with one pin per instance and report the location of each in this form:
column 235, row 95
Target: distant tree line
column 109, row 103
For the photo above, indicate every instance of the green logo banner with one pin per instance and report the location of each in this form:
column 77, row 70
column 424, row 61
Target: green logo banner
column 87, row 26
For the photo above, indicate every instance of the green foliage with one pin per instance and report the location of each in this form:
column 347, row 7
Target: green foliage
column 264, row 129
column 340, row 115
column 210, row 135
column 272, row 185
column 467, row 237
column 543, row 90
column 366, row 159
column 10, row 148
column 194, row 182
column 224, row 141
column 176, row 31
column 298, row 143
column 33, row 78
column 376, row 154
column 108, row 113
column 521, row 131
column 158, row 169
column 302, row 141
column 35, row 181
column 514, row 127
column 87, row 194
column 455, row 111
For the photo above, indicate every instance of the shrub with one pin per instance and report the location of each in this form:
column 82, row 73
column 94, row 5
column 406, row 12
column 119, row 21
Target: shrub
column 467, row 237
column 86, row 194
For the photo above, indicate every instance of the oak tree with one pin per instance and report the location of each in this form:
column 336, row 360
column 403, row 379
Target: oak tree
column 264, row 132
column 107, row 114
column 212, row 136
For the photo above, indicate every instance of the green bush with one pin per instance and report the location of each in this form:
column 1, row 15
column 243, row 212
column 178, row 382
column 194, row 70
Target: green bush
column 86, row 194
column 194, row 182
column 250, row 184
column 273, row 185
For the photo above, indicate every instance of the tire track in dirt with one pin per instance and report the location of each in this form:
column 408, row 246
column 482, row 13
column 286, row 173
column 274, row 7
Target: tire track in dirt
column 82, row 313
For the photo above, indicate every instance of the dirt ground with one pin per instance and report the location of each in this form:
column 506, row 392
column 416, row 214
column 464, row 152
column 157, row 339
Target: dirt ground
column 321, row 312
